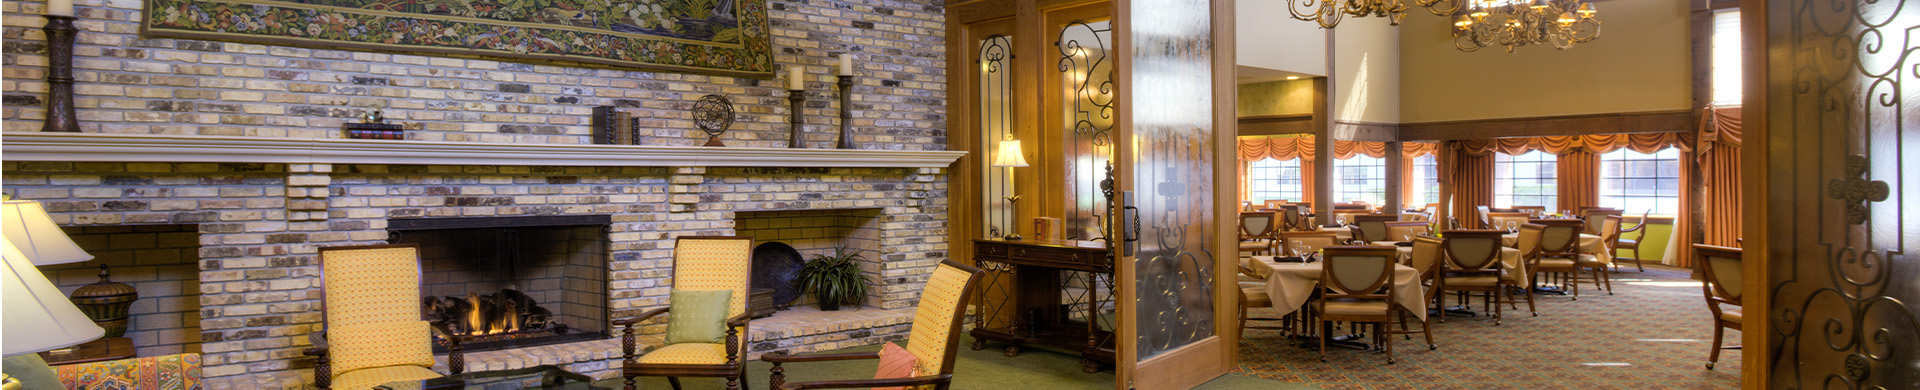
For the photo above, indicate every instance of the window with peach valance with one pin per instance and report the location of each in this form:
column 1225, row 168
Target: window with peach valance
column 1596, row 144
column 1418, row 149
column 1278, row 148
column 1346, row 149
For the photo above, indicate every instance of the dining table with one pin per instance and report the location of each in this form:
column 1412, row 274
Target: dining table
column 1289, row 284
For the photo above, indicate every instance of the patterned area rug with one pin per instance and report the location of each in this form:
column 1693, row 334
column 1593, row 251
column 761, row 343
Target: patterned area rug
column 1654, row 333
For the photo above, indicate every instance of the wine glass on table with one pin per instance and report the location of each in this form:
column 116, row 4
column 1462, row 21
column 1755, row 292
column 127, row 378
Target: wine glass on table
column 1513, row 226
column 1299, row 250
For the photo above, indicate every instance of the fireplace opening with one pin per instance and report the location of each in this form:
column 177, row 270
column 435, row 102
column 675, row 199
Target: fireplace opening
column 511, row 282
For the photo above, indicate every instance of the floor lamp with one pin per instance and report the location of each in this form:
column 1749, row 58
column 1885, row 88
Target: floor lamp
column 1009, row 156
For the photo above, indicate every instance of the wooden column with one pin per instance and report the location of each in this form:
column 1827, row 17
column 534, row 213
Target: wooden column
column 1395, row 176
column 1323, row 140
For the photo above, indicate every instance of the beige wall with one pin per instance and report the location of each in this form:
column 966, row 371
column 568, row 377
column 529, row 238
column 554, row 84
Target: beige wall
column 1276, row 98
column 1366, row 70
column 1267, row 36
column 1639, row 63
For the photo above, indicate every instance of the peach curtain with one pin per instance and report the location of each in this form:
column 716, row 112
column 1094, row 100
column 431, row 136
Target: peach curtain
column 1577, row 179
column 1719, row 159
column 1472, row 177
column 1346, row 149
column 1285, row 147
column 1595, row 144
column 1410, row 190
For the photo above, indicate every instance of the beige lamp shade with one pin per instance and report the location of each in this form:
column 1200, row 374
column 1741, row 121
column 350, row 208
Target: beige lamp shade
column 1009, row 155
column 37, row 316
column 27, row 224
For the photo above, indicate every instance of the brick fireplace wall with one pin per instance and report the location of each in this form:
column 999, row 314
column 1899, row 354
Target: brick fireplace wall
column 258, row 281
column 259, row 224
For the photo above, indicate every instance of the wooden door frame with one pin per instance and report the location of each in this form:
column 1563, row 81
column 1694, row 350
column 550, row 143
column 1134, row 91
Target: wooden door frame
column 1759, row 194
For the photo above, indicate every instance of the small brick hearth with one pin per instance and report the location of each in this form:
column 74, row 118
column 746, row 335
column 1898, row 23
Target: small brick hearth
column 259, row 225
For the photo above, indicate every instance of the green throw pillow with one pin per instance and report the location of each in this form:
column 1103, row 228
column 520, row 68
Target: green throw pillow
column 32, row 372
column 698, row 316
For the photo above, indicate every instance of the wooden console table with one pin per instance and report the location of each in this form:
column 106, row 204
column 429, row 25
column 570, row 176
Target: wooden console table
column 1021, row 299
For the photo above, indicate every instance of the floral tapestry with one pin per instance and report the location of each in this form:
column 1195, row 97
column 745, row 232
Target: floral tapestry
column 706, row 36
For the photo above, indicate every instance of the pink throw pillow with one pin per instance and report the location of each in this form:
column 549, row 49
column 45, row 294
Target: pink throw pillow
column 895, row 363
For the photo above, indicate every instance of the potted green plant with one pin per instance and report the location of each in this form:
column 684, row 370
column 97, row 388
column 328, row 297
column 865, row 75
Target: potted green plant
column 835, row 279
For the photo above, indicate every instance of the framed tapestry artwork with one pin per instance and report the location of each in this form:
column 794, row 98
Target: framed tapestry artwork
column 727, row 37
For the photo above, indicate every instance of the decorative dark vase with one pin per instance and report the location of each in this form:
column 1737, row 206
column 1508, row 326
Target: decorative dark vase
column 106, row 302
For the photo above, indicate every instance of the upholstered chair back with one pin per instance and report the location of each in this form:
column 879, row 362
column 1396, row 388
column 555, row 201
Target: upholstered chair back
column 704, row 263
column 1559, row 235
column 1397, row 231
column 1471, row 249
column 1722, row 267
column 1500, row 219
column 1313, row 241
column 1426, row 254
column 936, row 322
column 1290, row 217
column 1374, row 227
column 1358, row 271
column 1595, row 217
column 1609, row 228
column 1258, row 224
column 1415, row 216
column 372, row 301
column 1529, row 238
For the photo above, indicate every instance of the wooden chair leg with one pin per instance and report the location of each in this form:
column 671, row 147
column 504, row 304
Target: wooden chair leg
column 1326, row 331
column 629, row 384
column 675, row 381
column 1718, row 333
column 1388, row 341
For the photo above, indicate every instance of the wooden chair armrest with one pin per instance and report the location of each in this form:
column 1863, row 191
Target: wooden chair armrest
column 441, row 330
column 861, row 383
column 783, row 357
column 739, row 320
column 319, row 340
column 641, row 317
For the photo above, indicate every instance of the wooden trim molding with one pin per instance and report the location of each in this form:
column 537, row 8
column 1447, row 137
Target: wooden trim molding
column 1365, row 131
column 1277, row 124
column 96, row 147
column 1608, row 123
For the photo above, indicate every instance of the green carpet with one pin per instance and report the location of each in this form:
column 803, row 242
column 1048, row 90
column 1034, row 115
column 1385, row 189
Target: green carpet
column 986, row 369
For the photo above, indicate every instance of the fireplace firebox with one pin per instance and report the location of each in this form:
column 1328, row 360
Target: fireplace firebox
column 511, row 282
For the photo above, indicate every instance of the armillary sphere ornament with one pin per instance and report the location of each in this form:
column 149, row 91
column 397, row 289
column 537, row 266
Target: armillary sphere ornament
column 713, row 113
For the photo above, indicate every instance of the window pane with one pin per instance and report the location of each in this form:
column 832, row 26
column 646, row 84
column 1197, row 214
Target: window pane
column 1648, row 182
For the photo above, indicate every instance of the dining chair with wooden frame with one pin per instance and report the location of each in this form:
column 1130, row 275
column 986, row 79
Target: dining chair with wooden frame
column 1473, row 265
column 1253, row 294
column 1293, row 219
column 705, row 263
column 1640, row 235
column 1501, row 218
column 1368, row 228
column 1397, row 231
column 1311, row 241
column 1355, row 286
column 1553, row 249
column 1721, row 267
column 1561, row 239
column 1274, row 203
column 1425, row 259
column 1594, row 216
column 1257, row 231
column 1485, row 220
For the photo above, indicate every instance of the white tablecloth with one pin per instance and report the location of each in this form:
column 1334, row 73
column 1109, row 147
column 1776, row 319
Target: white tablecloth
column 1289, row 284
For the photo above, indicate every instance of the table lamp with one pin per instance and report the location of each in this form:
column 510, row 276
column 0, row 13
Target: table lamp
column 27, row 224
column 1009, row 156
column 38, row 317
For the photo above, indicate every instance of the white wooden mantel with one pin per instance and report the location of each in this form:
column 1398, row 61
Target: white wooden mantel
column 96, row 147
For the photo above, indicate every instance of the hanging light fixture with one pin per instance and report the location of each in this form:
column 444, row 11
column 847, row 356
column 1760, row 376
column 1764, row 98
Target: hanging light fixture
column 1516, row 23
column 1329, row 12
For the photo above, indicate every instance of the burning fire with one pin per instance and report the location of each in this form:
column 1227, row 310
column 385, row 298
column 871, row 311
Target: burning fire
column 507, row 311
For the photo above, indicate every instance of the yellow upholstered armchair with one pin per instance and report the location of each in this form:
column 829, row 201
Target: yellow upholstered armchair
column 933, row 342
column 700, row 264
column 374, row 334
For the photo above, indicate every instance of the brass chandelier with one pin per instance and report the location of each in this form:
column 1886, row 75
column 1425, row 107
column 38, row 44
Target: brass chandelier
column 1516, row 23
column 1329, row 12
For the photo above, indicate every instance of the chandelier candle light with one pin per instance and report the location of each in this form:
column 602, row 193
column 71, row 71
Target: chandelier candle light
column 1516, row 23
column 1329, row 12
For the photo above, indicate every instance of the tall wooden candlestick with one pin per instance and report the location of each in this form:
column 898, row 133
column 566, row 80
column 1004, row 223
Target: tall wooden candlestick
column 60, row 116
column 795, row 102
column 846, row 112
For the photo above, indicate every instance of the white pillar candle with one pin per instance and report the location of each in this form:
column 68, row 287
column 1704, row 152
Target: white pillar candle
column 60, row 7
column 796, row 78
column 846, row 64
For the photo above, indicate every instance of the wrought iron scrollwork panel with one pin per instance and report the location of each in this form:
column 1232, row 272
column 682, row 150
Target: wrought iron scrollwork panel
column 995, row 76
column 1086, row 73
column 1843, row 307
